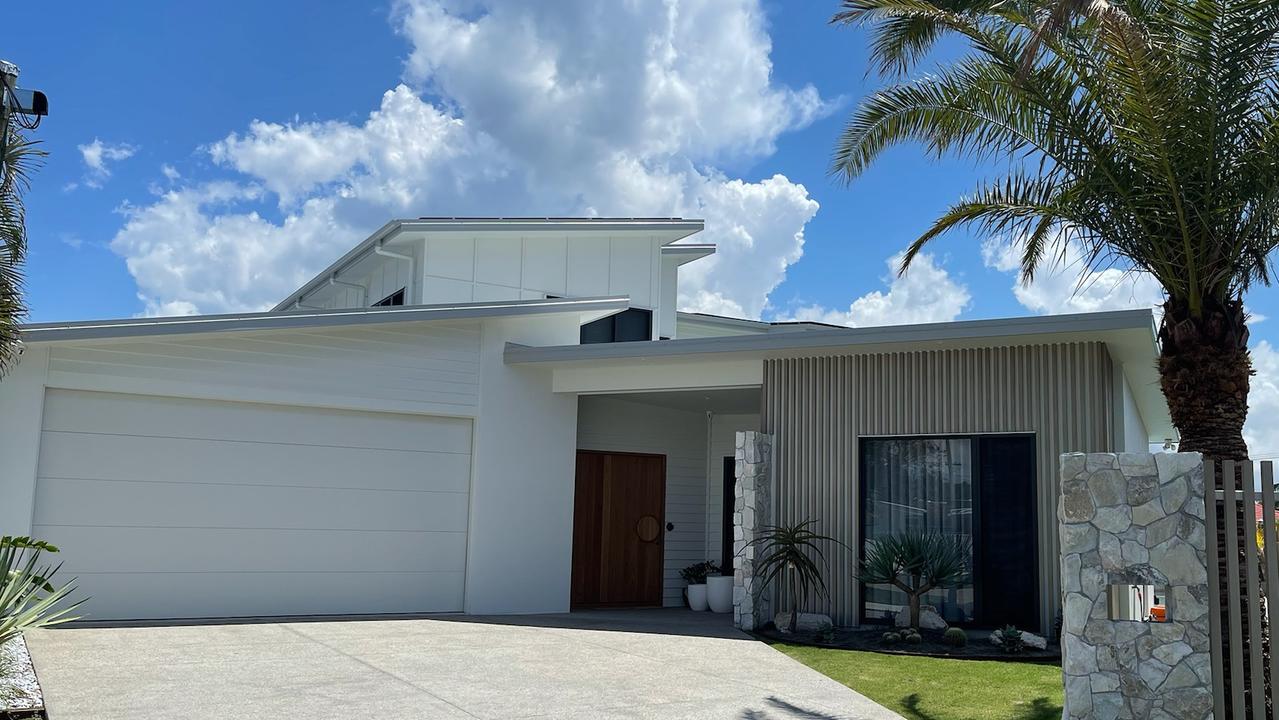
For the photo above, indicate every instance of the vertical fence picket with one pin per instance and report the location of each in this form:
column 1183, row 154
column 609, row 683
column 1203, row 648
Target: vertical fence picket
column 1215, row 583
column 1272, row 563
column 1253, row 598
column 1230, row 512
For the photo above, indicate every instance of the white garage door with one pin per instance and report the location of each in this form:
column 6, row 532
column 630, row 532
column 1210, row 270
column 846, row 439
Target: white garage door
column 169, row 507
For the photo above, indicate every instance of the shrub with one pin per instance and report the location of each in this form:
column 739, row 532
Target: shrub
column 696, row 573
column 793, row 550
column 891, row 638
column 955, row 637
column 915, row 563
column 27, row 593
column 913, row 638
column 1010, row 640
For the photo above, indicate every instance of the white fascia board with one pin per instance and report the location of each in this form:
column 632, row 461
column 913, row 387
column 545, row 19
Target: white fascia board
column 670, row 375
column 668, row 230
column 684, row 254
column 587, row 308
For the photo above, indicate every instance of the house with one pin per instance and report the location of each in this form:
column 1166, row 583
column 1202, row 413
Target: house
column 509, row 415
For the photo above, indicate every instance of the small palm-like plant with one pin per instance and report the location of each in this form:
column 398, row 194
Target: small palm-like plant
column 915, row 563
column 28, row 598
column 793, row 550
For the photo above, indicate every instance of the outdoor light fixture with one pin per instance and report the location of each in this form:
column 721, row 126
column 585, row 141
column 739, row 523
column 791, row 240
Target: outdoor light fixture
column 24, row 107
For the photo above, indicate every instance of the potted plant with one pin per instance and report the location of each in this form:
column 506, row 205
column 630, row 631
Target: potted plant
column 915, row 563
column 789, row 550
column 695, row 576
column 719, row 589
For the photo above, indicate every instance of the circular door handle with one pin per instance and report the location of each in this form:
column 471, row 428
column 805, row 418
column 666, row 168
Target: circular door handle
column 647, row 529
column 670, row 526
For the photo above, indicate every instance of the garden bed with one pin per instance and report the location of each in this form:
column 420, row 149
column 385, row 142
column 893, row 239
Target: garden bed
column 20, row 696
column 870, row 639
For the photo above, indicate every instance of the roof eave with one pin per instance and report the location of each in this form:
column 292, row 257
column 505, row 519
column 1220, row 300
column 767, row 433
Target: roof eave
column 589, row 308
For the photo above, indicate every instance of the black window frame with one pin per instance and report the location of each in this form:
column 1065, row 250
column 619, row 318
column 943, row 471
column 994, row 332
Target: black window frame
column 975, row 438
column 395, row 299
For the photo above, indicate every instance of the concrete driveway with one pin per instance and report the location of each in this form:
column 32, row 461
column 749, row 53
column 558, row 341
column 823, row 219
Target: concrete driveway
column 619, row 664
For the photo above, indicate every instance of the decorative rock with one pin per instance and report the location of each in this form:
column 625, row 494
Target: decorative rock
column 1111, row 552
column 1173, row 494
column 1078, row 538
column 1105, row 682
column 1107, row 706
column 1172, row 465
column 1113, row 519
column 1179, row 562
column 1134, row 553
column 1029, row 639
column 1143, row 488
column 1138, row 464
column 808, row 622
column 1108, row 488
column 929, row 618
column 1076, row 503
column 1148, row 513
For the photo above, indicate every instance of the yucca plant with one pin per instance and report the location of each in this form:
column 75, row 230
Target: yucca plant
column 28, row 598
column 792, row 552
column 915, row 563
column 1145, row 132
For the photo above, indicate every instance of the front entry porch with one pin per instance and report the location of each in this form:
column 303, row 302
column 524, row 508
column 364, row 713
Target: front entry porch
column 653, row 472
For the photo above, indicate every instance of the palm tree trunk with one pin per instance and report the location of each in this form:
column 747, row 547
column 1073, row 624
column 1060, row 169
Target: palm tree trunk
column 1204, row 370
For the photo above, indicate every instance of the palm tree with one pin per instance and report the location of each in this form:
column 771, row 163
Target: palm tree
column 19, row 159
column 793, row 550
column 1144, row 131
column 915, row 563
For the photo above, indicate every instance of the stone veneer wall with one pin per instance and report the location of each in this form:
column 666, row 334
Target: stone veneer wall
column 752, row 505
column 1134, row 518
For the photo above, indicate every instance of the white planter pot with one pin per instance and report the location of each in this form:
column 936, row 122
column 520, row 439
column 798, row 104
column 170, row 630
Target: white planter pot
column 719, row 593
column 697, row 597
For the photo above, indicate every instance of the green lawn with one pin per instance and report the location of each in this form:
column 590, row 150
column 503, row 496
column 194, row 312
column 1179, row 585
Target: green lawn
column 923, row 688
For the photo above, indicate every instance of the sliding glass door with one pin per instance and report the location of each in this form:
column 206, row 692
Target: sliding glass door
column 918, row 485
column 978, row 489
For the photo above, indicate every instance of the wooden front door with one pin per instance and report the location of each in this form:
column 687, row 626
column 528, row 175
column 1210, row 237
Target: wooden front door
column 618, row 529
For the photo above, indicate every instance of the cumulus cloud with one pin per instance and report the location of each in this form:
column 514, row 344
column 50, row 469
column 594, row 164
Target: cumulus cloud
column 629, row 107
column 1261, row 433
column 98, row 157
column 925, row 294
column 1067, row 286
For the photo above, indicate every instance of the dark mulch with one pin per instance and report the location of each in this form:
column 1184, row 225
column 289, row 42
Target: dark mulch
column 870, row 639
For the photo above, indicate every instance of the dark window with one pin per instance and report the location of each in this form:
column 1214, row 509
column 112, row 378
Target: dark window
column 627, row 326
column 980, row 489
column 726, row 514
column 395, row 298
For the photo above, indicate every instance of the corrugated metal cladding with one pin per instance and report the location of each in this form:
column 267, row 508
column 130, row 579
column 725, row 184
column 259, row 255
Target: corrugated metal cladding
column 818, row 407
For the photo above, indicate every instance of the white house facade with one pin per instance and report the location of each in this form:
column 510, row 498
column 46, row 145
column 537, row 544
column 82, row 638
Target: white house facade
column 509, row 415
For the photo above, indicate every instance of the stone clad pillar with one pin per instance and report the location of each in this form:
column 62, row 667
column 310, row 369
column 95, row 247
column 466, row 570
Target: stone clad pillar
column 1134, row 519
column 752, row 509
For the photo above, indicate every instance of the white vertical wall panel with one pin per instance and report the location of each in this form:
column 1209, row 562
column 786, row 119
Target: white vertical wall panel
column 174, row 507
column 426, row 367
column 588, row 266
column 819, row 407
column 610, row 424
column 546, row 265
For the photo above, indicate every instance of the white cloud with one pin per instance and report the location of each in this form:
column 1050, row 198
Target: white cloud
column 1260, row 431
column 574, row 107
column 170, row 173
column 98, row 157
column 1067, row 286
column 925, row 294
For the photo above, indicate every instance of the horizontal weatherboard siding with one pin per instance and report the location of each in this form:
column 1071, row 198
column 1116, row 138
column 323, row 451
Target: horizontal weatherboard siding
column 819, row 407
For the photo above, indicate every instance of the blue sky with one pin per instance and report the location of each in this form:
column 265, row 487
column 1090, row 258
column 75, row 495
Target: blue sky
column 162, row 195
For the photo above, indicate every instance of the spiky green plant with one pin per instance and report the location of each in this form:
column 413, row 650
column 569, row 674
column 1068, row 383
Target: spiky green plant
column 793, row 550
column 915, row 563
column 20, row 158
column 28, row 598
column 1145, row 132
